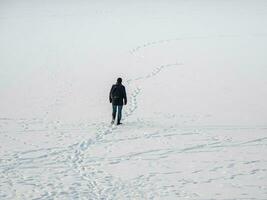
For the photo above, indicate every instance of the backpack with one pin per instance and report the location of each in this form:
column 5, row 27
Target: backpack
column 116, row 93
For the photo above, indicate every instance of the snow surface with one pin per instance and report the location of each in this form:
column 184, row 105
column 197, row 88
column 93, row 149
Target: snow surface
column 195, row 125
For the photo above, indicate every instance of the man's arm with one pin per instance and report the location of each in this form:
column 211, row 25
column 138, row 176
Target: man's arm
column 124, row 96
column 110, row 93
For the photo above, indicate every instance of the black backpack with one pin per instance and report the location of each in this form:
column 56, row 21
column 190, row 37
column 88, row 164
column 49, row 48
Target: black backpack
column 116, row 92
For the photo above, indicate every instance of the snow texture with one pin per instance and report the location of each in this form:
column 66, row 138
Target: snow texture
column 195, row 123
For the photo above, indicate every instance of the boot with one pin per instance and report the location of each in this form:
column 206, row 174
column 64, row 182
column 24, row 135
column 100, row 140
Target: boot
column 119, row 122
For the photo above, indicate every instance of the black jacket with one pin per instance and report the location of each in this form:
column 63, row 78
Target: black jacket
column 117, row 94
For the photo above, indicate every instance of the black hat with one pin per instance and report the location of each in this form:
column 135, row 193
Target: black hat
column 119, row 80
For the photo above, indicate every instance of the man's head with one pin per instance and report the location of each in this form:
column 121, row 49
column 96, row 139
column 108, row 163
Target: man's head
column 119, row 80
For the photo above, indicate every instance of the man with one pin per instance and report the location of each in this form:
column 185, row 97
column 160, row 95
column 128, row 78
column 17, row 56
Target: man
column 117, row 96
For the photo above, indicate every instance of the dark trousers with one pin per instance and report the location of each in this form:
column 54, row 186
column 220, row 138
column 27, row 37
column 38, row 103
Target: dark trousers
column 114, row 110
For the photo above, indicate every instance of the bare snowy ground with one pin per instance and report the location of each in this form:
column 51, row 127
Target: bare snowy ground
column 142, row 159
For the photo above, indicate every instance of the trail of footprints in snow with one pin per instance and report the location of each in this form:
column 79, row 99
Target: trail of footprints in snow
column 93, row 176
column 165, row 41
column 104, row 129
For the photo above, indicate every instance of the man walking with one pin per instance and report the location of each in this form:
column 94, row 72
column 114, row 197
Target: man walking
column 117, row 96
